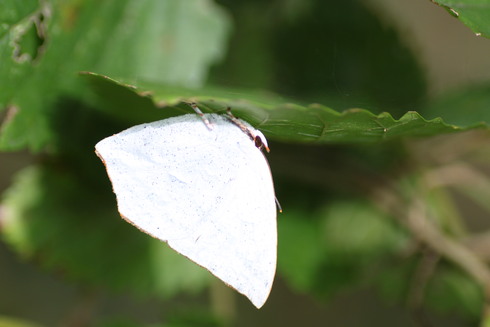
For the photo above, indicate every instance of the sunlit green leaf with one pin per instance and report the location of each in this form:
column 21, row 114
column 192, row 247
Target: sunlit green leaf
column 17, row 31
column 152, row 39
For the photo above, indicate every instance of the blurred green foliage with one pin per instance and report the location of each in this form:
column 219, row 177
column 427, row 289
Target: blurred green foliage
column 268, row 61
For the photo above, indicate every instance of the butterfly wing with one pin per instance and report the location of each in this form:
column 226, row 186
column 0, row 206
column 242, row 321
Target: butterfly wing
column 207, row 193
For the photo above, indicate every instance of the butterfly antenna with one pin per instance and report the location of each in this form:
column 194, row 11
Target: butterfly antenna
column 278, row 204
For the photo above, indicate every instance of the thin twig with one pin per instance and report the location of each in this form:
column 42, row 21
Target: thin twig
column 426, row 231
column 479, row 244
column 416, row 221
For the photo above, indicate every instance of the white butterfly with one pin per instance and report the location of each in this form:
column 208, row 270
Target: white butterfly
column 205, row 189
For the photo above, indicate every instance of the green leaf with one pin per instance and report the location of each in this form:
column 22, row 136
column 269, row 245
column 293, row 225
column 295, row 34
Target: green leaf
column 278, row 120
column 170, row 41
column 473, row 13
column 18, row 38
column 122, row 44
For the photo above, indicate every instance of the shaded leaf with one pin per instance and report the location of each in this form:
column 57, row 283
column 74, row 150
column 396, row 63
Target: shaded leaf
column 335, row 53
column 278, row 120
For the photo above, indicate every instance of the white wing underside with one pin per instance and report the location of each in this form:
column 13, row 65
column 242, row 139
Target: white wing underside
column 208, row 194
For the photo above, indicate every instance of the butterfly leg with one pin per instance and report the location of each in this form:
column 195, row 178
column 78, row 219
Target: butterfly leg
column 201, row 114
